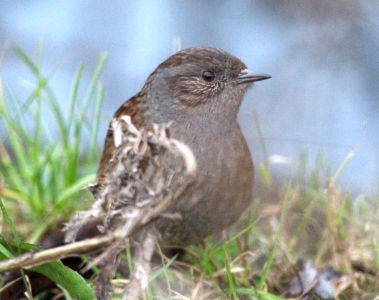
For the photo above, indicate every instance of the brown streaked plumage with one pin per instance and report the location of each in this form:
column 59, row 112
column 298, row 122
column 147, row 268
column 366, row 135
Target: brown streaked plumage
column 136, row 110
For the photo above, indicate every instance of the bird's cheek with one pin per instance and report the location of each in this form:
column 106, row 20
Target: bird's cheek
column 186, row 96
column 190, row 100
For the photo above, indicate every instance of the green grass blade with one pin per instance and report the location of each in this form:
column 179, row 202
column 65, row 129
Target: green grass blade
column 9, row 221
column 68, row 279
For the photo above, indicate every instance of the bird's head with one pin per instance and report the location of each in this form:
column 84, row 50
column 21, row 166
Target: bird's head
column 200, row 79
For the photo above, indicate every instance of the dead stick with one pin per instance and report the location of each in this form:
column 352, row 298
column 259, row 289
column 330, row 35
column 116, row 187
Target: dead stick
column 32, row 259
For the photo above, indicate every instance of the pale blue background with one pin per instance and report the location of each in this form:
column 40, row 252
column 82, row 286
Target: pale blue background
column 323, row 57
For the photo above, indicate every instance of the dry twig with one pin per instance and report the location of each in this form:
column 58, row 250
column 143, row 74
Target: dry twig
column 138, row 188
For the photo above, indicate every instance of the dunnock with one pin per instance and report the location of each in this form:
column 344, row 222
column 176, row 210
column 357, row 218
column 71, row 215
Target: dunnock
column 198, row 91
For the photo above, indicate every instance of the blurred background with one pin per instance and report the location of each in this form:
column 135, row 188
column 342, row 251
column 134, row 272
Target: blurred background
column 323, row 57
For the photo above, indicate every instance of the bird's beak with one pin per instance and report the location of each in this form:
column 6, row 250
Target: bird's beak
column 247, row 76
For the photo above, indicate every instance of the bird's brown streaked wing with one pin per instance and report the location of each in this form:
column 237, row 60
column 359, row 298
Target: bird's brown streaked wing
column 136, row 110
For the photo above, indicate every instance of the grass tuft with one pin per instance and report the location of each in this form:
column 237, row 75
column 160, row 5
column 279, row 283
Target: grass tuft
column 49, row 147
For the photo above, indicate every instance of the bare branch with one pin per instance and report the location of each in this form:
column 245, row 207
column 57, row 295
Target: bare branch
column 33, row 259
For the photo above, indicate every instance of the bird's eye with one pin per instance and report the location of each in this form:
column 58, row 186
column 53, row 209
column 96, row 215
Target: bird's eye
column 208, row 76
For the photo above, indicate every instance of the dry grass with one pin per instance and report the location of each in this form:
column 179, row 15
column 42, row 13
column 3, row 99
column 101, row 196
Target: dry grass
column 323, row 225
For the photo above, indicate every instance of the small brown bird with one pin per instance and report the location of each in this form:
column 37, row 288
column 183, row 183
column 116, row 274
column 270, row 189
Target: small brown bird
column 199, row 92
